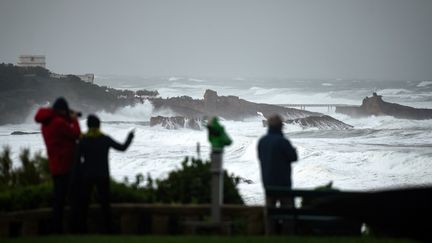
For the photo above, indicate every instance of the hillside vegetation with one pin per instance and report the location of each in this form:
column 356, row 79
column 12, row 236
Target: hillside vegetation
column 23, row 89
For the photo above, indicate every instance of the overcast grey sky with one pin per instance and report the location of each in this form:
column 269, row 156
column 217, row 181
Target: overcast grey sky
column 369, row 39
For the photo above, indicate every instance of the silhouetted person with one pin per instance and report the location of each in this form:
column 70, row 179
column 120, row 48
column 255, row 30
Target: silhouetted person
column 60, row 130
column 276, row 155
column 94, row 168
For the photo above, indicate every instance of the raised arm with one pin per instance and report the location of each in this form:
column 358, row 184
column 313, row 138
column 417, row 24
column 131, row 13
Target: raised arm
column 125, row 145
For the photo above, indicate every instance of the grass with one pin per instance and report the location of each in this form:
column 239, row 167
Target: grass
column 197, row 239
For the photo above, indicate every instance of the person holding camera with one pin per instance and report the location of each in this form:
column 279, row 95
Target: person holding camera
column 60, row 131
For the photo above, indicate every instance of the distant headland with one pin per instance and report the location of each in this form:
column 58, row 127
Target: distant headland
column 24, row 88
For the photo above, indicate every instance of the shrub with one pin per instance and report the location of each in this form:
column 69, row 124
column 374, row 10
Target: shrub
column 26, row 197
column 124, row 193
column 33, row 171
column 29, row 186
column 192, row 184
column 5, row 169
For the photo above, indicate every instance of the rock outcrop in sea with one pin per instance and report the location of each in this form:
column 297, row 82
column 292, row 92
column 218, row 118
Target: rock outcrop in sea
column 23, row 133
column 375, row 105
column 176, row 122
column 234, row 108
column 323, row 122
column 228, row 107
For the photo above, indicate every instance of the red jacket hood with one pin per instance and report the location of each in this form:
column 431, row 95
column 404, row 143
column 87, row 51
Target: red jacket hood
column 44, row 115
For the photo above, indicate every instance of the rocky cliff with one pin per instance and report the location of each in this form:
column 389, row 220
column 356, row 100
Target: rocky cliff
column 375, row 105
column 228, row 107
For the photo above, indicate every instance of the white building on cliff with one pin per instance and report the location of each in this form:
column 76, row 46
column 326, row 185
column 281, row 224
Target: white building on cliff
column 40, row 61
column 32, row 61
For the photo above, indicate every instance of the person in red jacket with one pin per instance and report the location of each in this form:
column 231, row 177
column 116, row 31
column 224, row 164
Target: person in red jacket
column 61, row 131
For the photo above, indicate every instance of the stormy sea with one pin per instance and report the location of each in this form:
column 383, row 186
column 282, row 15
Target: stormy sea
column 378, row 153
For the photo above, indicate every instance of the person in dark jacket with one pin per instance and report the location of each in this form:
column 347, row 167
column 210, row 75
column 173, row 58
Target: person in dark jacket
column 276, row 154
column 94, row 168
column 60, row 130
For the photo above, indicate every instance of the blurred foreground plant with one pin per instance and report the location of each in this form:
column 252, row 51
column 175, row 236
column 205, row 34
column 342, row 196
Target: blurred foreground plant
column 29, row 186
column 192, row 184
column 33, row 170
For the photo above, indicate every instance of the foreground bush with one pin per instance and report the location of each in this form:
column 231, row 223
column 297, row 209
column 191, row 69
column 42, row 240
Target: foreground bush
column 26, row 197
column 192, row 184
column 33, row 171
column 30, row 187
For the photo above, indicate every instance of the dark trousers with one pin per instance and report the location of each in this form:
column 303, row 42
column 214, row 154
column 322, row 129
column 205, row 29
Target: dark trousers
column 279, row 226
column 60, row 191
column 103, row 195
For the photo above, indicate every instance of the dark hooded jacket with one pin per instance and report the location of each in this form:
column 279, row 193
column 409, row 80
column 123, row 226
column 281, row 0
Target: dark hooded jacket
column 93, row 153
column 60, row 134
column 276, row 154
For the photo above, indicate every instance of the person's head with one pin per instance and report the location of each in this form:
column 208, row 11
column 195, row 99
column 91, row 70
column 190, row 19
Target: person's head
column 61, row 105
column 275, row 123
column 93, row 121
